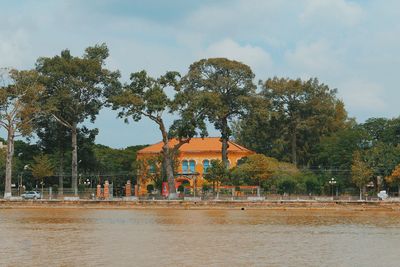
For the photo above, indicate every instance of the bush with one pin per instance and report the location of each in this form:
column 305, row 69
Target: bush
column 287, row 185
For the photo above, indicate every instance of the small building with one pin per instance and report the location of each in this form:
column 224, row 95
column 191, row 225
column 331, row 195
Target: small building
column 192, row 161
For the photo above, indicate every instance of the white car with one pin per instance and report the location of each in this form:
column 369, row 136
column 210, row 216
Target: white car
column 31, row 195
column 383, row 195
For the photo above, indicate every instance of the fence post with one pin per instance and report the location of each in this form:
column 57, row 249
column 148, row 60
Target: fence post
column 106, row 190
column 128, row 188
column 98, row 191
column 50, row 192
column 136, row 190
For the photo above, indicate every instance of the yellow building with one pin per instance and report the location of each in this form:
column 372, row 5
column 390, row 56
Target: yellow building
column 194, row 158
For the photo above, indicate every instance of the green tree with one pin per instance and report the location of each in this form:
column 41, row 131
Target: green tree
column 147, row 97
column 287, row 185
column 291, row 118
column 223, row 88
column 19, row 91
column 217, row 173
column 55, row 140
column 41, row 167
column 74, row 90
column 360, row 172
column 257, row 168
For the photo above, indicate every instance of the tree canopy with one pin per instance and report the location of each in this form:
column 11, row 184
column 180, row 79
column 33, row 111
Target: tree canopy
column 223, row 89
column 75, row 87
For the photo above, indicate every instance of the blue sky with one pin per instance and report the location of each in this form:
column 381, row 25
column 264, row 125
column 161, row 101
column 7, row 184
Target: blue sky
column 350, row 45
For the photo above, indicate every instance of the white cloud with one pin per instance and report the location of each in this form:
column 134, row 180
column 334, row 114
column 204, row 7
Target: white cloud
column 254, row 56
column 338, row 12
column 351, row 45
column 314, row 58
column 361, row 96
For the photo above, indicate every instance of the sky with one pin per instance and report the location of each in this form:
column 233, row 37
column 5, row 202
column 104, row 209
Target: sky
column 349, row 45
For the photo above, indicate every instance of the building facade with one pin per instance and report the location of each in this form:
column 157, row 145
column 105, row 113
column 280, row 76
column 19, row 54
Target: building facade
column 192, row 161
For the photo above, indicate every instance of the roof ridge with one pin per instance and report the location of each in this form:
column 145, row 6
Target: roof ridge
column 196, row 144
column 239, row 146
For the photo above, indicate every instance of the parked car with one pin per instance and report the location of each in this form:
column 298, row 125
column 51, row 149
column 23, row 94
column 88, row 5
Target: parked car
column 31, row 195
column 383, row 195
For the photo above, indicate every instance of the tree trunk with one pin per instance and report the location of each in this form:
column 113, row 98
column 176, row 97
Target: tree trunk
column 224, row 140
column 10, row 154
column 294, row 145
column 360, row 193
column 217, row 189
column 74, row 179
column 61, row 174
column 169, row 171
column 167, row 159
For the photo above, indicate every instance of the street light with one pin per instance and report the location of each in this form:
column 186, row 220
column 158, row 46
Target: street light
column 20, row 186
column 332, row 182
column 87, row 182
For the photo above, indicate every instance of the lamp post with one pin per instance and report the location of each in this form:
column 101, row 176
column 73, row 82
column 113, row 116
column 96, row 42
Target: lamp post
column 332, row 182
column 87, row 182
column 20, row 186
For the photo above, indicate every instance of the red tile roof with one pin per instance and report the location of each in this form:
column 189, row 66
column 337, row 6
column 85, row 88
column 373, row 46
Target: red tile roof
column 197, row 144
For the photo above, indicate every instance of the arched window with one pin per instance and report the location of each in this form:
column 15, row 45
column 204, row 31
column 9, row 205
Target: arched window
column 185, row 166
column 192, row 166
column 206, row 164
column 152, row 168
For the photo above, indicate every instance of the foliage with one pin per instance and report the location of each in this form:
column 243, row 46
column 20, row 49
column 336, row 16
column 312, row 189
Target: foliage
column 147, row 97
column 256, row 168
column 74, row 90
column 41, row 167
column 222, row 88
column 19, row 92
column 289, row 119
column 217, row 173
column 287, row 185
column 394, row 178
column 361, row 174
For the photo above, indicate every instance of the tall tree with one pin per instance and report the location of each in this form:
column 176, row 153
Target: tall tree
column 74, row 90
column 19, row 92
column 361, row 174
column 147, row 97
column 223, row 88
column 300, row 113
column 55, row 140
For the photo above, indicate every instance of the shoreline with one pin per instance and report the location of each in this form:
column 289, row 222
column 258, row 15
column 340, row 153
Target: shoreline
column 205, row 205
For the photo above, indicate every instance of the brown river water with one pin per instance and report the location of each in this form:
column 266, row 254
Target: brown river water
column 168, row 237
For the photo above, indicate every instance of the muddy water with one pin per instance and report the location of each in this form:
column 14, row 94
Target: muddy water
column 87, row 237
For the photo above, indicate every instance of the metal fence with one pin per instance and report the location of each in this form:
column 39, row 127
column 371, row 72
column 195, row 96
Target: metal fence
column 199, row 194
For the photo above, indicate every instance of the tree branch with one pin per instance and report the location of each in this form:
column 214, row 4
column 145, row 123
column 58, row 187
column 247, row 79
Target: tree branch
column 66, row 124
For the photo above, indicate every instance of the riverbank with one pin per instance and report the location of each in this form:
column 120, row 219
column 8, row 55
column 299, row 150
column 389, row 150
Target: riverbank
column 203, row 204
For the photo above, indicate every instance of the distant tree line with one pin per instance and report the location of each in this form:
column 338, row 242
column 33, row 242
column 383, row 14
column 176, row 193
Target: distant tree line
column 299, row 128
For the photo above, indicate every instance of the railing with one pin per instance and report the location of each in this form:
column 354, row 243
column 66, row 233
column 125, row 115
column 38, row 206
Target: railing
column 223, row 195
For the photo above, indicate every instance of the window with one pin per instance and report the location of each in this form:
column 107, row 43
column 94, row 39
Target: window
column 192, row 166
column 152, row 168
column 206, row 164
column 185, row 166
